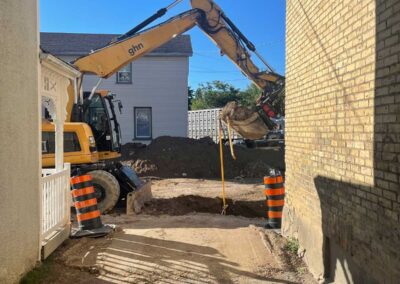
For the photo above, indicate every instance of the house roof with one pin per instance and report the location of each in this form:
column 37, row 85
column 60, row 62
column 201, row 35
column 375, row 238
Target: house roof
column 63, row 67
column 82, row 44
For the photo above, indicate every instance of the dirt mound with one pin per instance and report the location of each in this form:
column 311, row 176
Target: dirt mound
column 170, row 157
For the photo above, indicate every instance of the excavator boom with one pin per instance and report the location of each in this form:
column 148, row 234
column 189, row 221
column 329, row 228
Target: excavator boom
column 106, row 61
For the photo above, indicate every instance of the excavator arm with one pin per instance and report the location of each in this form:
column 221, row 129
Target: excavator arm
column 105, row 61
column 210, row 18
column 251, row 124
column 232, row 43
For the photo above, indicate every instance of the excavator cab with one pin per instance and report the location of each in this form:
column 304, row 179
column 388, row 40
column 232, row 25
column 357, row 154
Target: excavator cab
column 99, row 112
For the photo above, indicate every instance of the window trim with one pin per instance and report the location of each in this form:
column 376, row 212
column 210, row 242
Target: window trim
column 134, row 124
column 130, row 77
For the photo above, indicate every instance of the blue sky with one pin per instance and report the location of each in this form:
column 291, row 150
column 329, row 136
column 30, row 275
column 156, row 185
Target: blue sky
column 262, row 21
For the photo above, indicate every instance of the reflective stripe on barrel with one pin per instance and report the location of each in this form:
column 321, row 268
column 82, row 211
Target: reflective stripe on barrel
column 83, row 194
column 85, row 203
column 274, row 191
column 80, row 179
column 273, row 180
column 275, row 199
column 82, row 191
column 272, row 203
column 88, row 216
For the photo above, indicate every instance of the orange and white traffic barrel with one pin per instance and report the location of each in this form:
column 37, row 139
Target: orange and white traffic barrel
column 275, row 199
column 87, row 213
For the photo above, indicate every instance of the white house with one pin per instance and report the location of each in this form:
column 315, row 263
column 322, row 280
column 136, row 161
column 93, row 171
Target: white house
column 153, row 89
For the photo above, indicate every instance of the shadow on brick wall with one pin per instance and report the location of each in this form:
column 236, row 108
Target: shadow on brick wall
column 360, row 224
column 348, row 233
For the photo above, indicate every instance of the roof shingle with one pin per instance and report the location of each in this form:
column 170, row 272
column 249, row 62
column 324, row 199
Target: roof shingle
column 82, row 44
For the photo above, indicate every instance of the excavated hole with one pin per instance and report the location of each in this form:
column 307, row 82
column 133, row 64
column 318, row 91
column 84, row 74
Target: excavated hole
column 186, row 204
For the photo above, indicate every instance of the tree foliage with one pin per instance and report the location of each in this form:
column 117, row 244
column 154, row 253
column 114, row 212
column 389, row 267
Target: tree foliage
column 190, row 97
column 217, row 94
column 250, row 95
column 214, row 95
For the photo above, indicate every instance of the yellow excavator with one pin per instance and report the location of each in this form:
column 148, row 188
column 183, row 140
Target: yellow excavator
column 92, row 134
column 210, row 18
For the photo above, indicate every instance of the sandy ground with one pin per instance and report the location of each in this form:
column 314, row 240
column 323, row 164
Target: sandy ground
column 195, row 248
column 178, row 245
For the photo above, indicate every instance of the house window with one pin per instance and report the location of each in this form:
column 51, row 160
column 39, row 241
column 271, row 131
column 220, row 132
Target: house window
column 143, row 123
column 124, row 75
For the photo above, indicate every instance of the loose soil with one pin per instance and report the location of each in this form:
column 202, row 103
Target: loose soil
column 171, row 157
column 185, row 204
column 182, row 196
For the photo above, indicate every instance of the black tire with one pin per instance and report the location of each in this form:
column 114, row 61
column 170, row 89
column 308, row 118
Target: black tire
column 107, row 190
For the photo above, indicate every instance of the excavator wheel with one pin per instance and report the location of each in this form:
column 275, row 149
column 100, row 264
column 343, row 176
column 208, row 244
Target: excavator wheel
column 106, row 188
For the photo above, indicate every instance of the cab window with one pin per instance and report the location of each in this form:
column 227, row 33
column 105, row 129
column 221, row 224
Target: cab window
column 71, row 142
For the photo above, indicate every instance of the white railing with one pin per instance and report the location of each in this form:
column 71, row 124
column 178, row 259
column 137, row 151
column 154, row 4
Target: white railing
column 56, row 197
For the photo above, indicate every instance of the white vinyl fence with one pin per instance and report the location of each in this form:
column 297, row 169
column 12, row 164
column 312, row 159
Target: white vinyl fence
column 56, row 197
column 203, row 123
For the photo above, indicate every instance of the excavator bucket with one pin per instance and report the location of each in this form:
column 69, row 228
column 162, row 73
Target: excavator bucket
column 245, row 121
column 138, row 191
column 136, row 200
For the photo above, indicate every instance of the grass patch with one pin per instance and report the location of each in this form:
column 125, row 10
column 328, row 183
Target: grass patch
column 38, row 274
column 292, row 245
column 301, row 270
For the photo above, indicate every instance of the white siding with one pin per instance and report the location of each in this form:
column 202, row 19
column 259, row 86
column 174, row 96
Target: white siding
column 158, row 82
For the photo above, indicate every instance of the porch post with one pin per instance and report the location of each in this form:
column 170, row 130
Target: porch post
column 62, row 101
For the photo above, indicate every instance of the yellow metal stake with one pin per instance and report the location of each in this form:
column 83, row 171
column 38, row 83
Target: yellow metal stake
column 221, row 157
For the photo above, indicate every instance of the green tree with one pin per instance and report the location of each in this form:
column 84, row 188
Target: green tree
column 214, row 94
column 249, row 96
column 217, row 94
column 190, row 97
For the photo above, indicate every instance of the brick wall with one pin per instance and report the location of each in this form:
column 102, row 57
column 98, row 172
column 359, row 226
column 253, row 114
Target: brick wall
column 343, row 137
